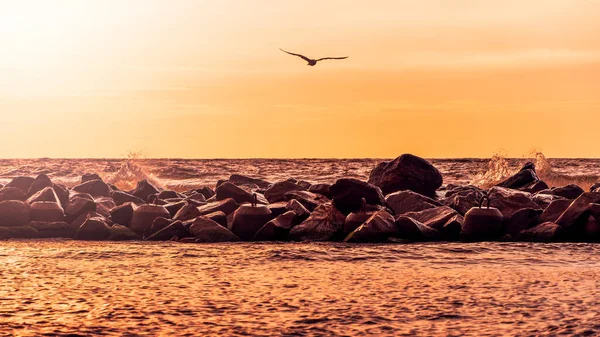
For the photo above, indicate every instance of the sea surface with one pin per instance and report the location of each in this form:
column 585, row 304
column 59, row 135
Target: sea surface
column 72, row 288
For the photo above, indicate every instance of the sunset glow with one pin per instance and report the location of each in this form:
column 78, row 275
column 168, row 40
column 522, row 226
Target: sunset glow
column 206, row 79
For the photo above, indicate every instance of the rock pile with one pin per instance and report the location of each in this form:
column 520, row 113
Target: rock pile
column 403, row 200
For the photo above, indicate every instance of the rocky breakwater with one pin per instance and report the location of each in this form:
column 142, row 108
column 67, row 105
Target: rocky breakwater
column 403, row 200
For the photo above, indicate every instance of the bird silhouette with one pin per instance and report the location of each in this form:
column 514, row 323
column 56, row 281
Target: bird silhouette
column 313, row 62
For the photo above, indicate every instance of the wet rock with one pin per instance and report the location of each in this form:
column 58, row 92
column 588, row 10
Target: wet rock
column 525, row 177
column 167, row 194
column 591, row 229
column 187, row 212
column 544, row 200
column 95, row 188
column 206, row 230
column 521, row 220
column 59, row 229
column 277, row 229
column 46, row 194
column 104, row 205
column 144, row 216
column 407, row 172
column 89, row 177
column 378, row 228
column 325, row 223
column 348, row 192
column 174, row 207
column 14, row 213
column 144, row 189
column 121, row 233
column 355, row 220
column 12, row 193
column 122, row 214
column 278, row 208
column 546, row 232
column 322, row 189
column 276, row 192
column 79, row 205
column 238, row 179
column 93, row 229
column 554, row 210
column 39, row 183
column 121, row 197
column 218, row 217
column 509, row 201
column 226, row 206
column 176, row 229
column 21, row 183
column 304, row 184
column 409, row 201
column 307, row 199
column 295, row 206
column 248, row 219
column 62, row 193
column 159, row 224
column 535, row 187
column 595, row 187
column 482, row 224
column 436, row 217
column 207, row 192
column 228, row 190
column 19, row 232
column 47, row 211
column 571, row 217
column 569, row 191
column 197, row 197
column 413, row 230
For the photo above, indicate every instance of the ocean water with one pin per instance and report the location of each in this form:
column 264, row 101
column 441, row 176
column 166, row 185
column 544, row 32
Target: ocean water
column 68, row 288
column 71, row 288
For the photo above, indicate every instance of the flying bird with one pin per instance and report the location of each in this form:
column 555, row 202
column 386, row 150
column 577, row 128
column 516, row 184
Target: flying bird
column 313, row 62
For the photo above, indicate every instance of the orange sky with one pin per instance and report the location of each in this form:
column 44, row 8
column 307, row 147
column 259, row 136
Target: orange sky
column 205, row 79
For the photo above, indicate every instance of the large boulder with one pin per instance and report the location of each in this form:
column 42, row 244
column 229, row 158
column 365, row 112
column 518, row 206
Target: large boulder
column 14, row 213
column 47, row 211
column 144, row 189
column 443, row 219
column 46, row 194
column 21, row 183
column 89, row 177
column 228, row 190
column 408, row 201
column 206, row 191
column 175, row 229
column 144, row 216
column 12, row 193
column 122, row 233
column 248, row 219
column 93, row 229
column 307, row 199
column 276, row 192
column 121, row 197
column 39, row 183
column 378, row 228
column 226, row 206
column 239, row 179
column 206, row 230
column 509, row 201
column 521, row 220
column 525, row 177
column 571, row 191
column 59, row 229
column 573, row 216
column 123, row 213
column 482, row 224
column 355, row 220
column 218, row 217
column 554, row 210
column 95, row 188
column 545, row 232
column 277, row 229
column 295, row 206
column 463, row 198
column 18, row 232
column 407, row 172
column 78, row 205
column 348, row 193
column 411, row 229
column 104, row 205
column 324, row 224
column 322, row 189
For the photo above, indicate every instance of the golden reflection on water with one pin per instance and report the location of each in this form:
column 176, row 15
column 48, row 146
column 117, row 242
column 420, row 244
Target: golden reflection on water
column 487, row 289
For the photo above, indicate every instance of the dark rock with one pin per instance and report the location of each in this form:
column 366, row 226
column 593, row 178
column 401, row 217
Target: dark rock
column 238, row 179
column 18, row 232
column 301, row 211
column 166, row 194
column 122, row 214
column 206, row 230
column 571, row 217
column 544, row 200
column 535, row 187
column 228, row 190
column 355, row 220
column 159, row 224
column 307, row 199
column 278, row 208
column 226, row 206
column 58, row 229
column 144, row 216
column 569, row 192
column 79, row 205
column 482, row 224
column 187, row 212
column 348, row 192
column 277, row 190
column 509, row 201
column 435, row 218
column 218, row 217
column 144, row 189
column 554, row 210
column 277, row 229
column 546, row 232
column 95, row 188
column 304, row 184
column 12, row 193
column 93, row 229
column 411, row 229
column 122, row 233
column 197, row 197
column 378, row 228
column 525, row 177
column 46, row 194
column 248, row 219
column 176, row 229
column 408, row 201
column 121, row 197
column 322, row 189
column 89, row 177
column 174, row 207
column 324, row 224
column 207, row 192
column 38, row 184
column 104, row 205
column 14, row 213
column 407, row 172
column 595, row 187
column 83, row 217
column 521, row 220
column 21, row 183
column 47, row 211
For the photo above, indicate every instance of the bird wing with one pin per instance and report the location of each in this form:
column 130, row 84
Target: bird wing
column 332, row 58
column 302, row 56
